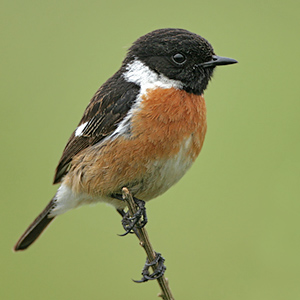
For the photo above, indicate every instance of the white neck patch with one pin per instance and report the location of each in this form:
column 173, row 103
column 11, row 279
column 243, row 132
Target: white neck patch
column 140, row 74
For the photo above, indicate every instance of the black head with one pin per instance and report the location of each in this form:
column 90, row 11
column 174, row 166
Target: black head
column 179, row 55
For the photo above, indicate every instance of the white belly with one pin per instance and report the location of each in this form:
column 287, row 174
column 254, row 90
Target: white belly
column 164, row 173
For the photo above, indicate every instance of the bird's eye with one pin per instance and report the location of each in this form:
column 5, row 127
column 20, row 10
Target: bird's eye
column 179, row 58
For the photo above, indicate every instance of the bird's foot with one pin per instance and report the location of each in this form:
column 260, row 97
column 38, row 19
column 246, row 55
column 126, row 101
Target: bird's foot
column 138, row 220
column 158, row 272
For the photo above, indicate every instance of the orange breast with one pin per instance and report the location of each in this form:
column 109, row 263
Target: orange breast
column 169, row 123
column 167, row 117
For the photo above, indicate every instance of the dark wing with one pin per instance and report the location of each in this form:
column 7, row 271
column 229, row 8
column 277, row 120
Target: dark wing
column 105, row 111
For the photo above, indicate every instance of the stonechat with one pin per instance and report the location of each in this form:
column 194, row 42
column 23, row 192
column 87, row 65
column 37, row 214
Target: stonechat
column 143, row 129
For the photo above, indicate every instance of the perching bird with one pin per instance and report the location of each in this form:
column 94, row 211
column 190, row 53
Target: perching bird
column 142, row 130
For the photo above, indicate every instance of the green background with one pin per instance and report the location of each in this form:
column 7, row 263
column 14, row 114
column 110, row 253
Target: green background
column 230, row 228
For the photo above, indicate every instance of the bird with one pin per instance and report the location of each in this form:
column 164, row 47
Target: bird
column 143, row 128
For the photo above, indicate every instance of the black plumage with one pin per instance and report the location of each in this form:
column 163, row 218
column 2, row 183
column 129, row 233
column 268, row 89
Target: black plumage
column 105, row 111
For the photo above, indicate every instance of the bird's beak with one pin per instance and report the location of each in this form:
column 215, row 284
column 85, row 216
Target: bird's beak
column 218, row 61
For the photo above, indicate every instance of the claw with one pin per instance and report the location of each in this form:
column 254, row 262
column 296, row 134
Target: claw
column 128, row 224
column 141, row 215
column 159, row 271
column 138, row 220
column 134, row 230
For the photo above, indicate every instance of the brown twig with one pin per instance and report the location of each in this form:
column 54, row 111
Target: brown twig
column 145, row 243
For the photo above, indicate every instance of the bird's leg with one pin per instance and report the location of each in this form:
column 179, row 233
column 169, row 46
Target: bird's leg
column 154, row 259
column 158, row 272
column 138, row 220
column 158, row 261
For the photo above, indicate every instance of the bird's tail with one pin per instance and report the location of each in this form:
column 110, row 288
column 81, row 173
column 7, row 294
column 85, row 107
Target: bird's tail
column 35, row 228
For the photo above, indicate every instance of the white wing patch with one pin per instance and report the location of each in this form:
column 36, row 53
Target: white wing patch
column 79, row 129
